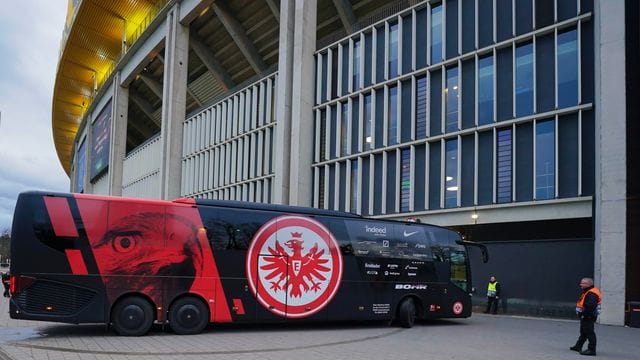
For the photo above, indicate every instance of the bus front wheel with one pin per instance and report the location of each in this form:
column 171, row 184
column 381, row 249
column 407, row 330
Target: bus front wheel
column 132, row 316
column 407, row 313
column 188, row 315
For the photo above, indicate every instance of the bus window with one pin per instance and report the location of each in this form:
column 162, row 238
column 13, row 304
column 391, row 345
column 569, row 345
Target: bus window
column 231, row 229
column 339, row 231
column 42, row 228
column 411, row 243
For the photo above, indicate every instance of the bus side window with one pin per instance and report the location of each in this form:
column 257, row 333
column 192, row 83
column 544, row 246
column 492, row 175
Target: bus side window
column 435, row 237
column 233, row 229
column 42, row 227
column 338, row 229
column 410, row 242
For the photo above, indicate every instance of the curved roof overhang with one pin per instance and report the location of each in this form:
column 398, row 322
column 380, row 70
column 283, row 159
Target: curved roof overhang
column 93, row 42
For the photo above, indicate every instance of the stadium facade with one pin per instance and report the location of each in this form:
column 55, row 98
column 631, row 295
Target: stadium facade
column 509, row 120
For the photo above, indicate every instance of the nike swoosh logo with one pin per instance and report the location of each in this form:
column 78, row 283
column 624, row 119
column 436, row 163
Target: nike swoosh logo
column 406, row 234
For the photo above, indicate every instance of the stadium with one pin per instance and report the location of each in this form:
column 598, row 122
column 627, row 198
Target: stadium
column 510, row 121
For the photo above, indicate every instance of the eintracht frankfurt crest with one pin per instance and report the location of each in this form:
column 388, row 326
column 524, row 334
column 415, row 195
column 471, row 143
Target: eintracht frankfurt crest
column 294, row 266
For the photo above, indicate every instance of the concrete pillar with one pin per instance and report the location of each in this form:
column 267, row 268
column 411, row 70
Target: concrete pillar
column 302, row 124
column 282, row 146
column 610, row 158
column 296, row 83
column 174, row 94
column 118, row 146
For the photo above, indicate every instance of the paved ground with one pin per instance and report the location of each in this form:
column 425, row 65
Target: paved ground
column 479, row 337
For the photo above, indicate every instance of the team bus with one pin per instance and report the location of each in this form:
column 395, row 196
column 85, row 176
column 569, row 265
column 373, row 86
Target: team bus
column 131, row 263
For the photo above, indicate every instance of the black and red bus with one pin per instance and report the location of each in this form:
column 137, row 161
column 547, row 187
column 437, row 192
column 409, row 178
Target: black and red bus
column 190, row 262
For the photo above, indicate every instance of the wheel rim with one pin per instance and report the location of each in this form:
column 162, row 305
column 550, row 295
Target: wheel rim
column 189, row 316
column 132, row 316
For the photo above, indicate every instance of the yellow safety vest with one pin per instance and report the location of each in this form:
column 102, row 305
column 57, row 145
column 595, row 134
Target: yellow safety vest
column 492, row 289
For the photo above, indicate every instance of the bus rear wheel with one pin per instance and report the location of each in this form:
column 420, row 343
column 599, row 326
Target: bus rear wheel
column 132, row 316
column 407, row 313
column 188, row 316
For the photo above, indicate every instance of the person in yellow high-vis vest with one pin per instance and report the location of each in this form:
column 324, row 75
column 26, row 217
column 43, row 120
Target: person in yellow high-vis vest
column 588, row 309
column 493, row 295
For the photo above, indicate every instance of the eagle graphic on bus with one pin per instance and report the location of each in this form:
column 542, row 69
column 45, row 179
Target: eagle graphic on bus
column 285, row 279
column 296, row 271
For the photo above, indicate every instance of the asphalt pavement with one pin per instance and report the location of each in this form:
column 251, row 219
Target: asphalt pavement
column 492, row 337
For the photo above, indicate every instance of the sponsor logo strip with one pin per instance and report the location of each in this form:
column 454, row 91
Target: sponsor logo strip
column 60, row 215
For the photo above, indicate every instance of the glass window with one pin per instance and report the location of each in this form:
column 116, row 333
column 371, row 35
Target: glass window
column 421, row 107
column 321, row 194
column 392, row 114
column 344, row 130
column 323, row 135
column 452, row 94
column 485, row 90
column 334, row 73
column 504, row 158
column 393, row 50
column 367, row 121
column 485, row 22
column 545, row 160
column 451, row 171
column 524, row 79
column 567, row 69
column 451, row 29
column 436, row 34
column 405, row 181
column 354, row 186
column 356, row 65
column 233, row 229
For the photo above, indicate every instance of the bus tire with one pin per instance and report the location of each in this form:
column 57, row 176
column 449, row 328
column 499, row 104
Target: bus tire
column 188, row 316
column 132, row 316
column 407, row 313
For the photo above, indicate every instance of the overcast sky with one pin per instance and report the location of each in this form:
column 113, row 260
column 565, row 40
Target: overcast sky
column 29, row 43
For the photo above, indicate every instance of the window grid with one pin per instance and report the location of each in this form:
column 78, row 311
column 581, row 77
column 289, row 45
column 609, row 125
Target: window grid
column 391, row 80
column 227, row 146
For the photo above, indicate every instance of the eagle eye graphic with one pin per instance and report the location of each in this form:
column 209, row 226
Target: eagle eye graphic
column 124, row 243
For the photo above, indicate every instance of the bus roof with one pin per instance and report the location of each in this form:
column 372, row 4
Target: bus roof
column 204, row 202
column 273, row 207
column 228, row 204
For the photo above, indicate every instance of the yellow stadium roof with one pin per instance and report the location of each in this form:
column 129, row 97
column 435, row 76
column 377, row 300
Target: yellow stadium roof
column 93, row 42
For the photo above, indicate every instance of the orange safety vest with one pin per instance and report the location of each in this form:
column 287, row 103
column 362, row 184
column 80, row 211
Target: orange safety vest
column 580, row 303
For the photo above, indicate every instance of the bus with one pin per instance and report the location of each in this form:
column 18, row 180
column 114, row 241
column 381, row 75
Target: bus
column 130, row 263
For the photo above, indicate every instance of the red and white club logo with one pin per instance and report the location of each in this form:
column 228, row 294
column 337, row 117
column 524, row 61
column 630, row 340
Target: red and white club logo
column 457, row 307
column 294, row 266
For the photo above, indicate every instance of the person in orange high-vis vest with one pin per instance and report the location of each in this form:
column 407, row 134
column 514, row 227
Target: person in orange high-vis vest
column 588, row 309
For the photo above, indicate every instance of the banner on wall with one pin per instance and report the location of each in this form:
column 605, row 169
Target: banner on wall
column 101, row 136
column 80, row 167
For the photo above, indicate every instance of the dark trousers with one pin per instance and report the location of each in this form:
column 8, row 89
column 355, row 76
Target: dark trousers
column 492, row 305
column 587, row 333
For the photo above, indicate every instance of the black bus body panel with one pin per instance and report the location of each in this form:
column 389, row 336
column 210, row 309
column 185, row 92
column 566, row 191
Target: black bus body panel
column 85, row 247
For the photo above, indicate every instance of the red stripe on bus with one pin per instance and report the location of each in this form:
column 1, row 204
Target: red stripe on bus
column 60, row 215
column 237, row 304
column 78, row 267
column 207, row 280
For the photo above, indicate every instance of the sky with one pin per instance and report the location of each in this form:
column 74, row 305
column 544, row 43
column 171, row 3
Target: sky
column 30, row 35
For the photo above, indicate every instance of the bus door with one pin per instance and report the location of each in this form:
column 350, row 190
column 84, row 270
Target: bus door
column 271, row 292
column 307, row 249
column 230, row 232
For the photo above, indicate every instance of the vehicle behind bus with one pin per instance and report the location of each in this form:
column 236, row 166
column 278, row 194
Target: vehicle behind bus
column 132, row 262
